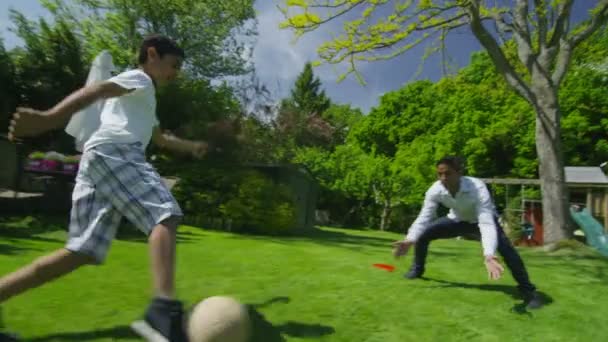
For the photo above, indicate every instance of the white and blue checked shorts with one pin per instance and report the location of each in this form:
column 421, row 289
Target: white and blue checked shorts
column 115, row 181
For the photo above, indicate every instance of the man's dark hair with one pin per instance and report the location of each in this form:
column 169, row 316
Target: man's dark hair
column 454, row 162
column 163, row 45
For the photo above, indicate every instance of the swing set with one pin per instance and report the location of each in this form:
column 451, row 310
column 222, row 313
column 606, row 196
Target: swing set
column 529, row 212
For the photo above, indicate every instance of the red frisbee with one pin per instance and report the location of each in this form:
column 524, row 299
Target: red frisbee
column 387, row 267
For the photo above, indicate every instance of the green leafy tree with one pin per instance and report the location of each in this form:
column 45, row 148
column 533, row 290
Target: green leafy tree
column 542, row 37
column 307, row 95
column 8, row 87
column 214, row 34
column 47, row 68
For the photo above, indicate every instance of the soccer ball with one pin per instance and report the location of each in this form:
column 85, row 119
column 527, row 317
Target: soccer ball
column 219, row 319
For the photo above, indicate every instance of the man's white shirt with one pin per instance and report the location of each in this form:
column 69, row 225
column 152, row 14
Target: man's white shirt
column 472, row 203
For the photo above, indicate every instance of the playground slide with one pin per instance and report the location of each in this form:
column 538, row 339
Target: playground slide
column 594, row 231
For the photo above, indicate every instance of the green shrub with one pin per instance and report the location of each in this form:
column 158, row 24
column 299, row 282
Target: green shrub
column 233, row 198
column 260, row 206
column 36, row 155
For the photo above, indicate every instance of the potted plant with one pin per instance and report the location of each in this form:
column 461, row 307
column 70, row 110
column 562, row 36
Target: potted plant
column 70, row 164
column 34, row 160
column 52, row 161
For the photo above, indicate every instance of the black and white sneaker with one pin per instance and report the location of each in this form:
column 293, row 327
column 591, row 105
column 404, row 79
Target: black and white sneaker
column 163, row 322
column 414, row 272
column 533, row 300
column 4, row 336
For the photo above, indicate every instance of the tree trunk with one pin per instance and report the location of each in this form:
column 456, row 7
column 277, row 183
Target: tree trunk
column 385, row 220
column 556, row 223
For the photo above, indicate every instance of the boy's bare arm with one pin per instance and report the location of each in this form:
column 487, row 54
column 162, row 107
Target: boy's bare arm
column 29, row 122
column 182, row 146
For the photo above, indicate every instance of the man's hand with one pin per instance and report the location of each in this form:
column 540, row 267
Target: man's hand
column 222, row 135
column 400, row 248
column 494, row 268
column 199, row 149
column 29, row 122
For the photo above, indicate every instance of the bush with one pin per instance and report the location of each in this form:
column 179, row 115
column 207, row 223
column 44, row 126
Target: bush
column 36, row 155
column 238, row 199
column 260, row 206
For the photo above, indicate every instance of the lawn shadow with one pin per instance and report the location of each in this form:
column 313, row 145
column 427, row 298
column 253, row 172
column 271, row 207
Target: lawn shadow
column 128, row 232
column 582, row 265
column 13, row 229
column 264, row 331
column 519, row 308
column 326, row 237
column 7, row 249
column 116, row 333
column 29, row 226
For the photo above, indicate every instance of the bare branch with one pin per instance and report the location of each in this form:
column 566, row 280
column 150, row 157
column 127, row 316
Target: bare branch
column 498, row 57
column 314, row 25
column 522, row 34
column 597, row 20
column 561, row 24
column 502, row 26
column 562, row 63
column 540, row 7
column 567, row 46
column 327, row 5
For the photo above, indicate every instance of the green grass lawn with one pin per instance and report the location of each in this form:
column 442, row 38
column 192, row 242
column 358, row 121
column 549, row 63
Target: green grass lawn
column 316, row 288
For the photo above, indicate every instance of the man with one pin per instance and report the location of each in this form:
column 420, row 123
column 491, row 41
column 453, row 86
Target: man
column 471, row 209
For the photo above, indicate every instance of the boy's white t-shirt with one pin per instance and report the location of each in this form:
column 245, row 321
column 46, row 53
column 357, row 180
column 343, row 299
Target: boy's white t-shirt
column 129, row 118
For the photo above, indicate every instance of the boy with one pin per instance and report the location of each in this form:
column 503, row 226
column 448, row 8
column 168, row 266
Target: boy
column 115, row 180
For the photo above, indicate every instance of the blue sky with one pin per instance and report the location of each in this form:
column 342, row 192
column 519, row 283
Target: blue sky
column 279, row 61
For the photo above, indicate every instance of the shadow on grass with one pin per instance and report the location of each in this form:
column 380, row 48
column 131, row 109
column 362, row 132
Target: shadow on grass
column 128, row 232
column 265, row 331
column 583, row 264
column 519, row 308
column 33, row 227
column 115, row 333
column 29, row 226
column 26, row 228
column 7, row 249
column 325, row 237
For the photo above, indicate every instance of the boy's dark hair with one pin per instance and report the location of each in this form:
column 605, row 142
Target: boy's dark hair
column 454, row 162
column 163, row 45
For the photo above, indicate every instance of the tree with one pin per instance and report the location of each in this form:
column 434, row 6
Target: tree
column 299, row 120
column 214, row 34
column 307, row 95
column 544, row 43
column 8, row 91
column 342, row 118
column 48, row 67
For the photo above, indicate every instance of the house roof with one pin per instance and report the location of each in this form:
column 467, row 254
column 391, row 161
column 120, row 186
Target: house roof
column 575, row 176
column 585, row 174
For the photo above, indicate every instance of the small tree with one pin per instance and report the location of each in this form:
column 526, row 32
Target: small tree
column 299, row 120
column 544, row 41
column 307, row 95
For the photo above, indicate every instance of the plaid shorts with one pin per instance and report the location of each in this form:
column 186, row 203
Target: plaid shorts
column 115, row 181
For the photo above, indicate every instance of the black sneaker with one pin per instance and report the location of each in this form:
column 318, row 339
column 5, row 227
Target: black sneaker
column 8, row 337
column 414, row 272
column 5, row 337
column 163, row 322
column 533, row 300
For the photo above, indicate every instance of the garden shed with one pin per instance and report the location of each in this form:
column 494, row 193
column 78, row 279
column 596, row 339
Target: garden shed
column 587, row 186
column 303, row 184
